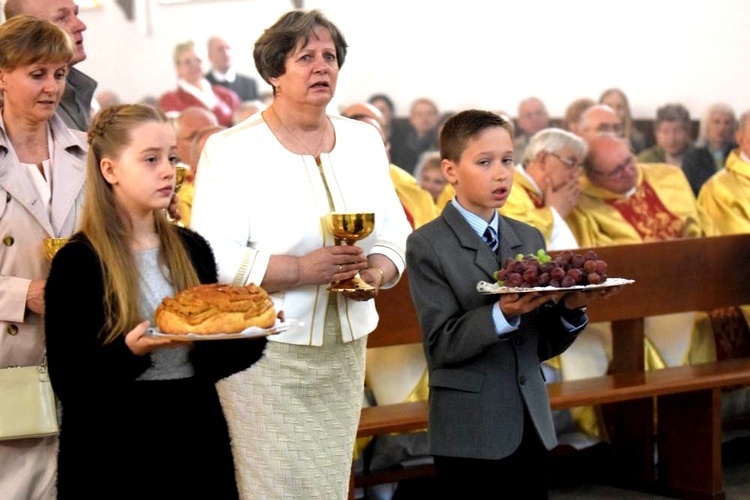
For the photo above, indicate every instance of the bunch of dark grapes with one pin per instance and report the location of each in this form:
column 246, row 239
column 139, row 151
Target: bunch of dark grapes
column 564, row 270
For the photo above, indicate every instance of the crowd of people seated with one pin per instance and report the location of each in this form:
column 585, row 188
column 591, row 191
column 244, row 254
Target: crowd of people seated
column 588, row 178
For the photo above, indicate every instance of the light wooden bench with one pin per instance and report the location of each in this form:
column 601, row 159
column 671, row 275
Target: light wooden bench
column 675, row 276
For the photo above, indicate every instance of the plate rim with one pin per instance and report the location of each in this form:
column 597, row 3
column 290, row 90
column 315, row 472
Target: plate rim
column 278, row 327
column 505, row 290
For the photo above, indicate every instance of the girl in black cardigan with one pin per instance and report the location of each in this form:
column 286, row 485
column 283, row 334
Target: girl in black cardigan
column 140, row 415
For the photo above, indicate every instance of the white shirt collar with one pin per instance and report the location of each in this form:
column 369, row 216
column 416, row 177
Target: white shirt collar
column 230, row 76
column 205, row 94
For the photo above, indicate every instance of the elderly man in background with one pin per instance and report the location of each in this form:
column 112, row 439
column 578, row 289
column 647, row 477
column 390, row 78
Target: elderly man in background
column 717, row 141
column 546, row 185
column 222, row 73
column 726, row 196
column 726, row 199
column 75, row 106
column 186, row 127
column 623, row 201
column 532, row 117
column 598, row 120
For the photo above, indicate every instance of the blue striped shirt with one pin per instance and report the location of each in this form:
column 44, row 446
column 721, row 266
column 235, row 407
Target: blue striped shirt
column 479, row 225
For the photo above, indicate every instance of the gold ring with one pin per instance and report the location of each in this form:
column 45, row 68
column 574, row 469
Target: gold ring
column 341, row 268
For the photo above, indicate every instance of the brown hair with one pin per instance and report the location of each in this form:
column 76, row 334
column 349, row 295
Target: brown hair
column 279, row 40
column 465, row 125
column 109, row 228
column 28, row 40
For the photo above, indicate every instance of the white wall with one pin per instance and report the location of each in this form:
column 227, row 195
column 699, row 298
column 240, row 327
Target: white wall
column 470, row 53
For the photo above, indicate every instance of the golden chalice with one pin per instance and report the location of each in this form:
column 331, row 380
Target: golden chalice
column 179, row 176
column 180, row 171
column 350, row 228
column 52, row 245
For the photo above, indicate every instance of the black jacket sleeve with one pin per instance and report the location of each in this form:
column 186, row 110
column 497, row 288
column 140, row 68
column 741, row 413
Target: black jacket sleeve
column 79, row 363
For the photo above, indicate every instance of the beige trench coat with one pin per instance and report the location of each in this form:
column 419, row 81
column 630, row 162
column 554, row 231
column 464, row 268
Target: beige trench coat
column 27, row 467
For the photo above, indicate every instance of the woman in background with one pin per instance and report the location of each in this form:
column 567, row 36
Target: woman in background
column 618, row 101
column 194, row 90
column 42, row 171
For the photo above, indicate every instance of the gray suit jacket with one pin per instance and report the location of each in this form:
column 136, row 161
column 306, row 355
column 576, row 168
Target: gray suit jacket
column 75, row 106
column 244, row 86
column 479, row 382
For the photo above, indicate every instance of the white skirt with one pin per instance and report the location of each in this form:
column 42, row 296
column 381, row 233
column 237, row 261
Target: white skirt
column 293, row 417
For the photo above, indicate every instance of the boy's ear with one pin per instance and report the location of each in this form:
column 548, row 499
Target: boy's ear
column 448, row 168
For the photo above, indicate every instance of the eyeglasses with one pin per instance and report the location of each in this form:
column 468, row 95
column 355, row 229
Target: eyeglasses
column 616, row 172
column 568, row 162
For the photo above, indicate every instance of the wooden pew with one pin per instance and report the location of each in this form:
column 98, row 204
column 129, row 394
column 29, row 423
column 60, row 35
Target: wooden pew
column 675, row 276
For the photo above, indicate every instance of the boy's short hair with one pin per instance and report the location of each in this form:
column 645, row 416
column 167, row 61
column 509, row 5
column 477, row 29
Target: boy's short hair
column 467, row 124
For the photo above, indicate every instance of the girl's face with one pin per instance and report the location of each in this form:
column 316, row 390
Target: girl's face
column 142, row 176
column 33, row 91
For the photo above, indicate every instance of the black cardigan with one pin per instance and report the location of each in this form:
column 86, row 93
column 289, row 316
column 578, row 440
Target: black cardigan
column 74, row 317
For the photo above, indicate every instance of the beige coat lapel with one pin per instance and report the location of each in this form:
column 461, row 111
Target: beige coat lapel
column 68, row 176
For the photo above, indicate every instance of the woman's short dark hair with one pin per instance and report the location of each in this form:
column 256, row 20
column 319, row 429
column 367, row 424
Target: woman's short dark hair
column 280, row 39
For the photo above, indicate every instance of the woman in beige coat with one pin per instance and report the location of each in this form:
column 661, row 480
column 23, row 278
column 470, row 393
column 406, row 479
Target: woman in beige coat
column 42, row 171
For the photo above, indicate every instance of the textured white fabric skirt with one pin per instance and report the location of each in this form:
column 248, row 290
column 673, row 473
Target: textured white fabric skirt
column 293, row 417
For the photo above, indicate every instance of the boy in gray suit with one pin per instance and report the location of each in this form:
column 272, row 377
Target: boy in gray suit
column 490, row 419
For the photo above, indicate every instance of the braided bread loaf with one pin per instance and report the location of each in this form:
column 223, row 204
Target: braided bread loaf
column 215, row 308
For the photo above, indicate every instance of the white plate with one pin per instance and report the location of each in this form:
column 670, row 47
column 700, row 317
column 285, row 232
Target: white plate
column 484, row 287
column 249, row 333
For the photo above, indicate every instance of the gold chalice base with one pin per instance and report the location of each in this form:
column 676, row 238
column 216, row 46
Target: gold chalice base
column 52, row 245
column 350, row 285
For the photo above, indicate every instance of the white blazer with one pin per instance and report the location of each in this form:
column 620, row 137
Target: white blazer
column 254, row 198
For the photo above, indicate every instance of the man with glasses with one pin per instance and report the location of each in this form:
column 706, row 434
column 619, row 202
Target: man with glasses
column 546, row 185
column 624, row 201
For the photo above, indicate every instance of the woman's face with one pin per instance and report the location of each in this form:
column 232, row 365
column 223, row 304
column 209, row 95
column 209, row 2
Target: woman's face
column 190, row 67
column 615, row 101
column 33, row 91
column 310, row 72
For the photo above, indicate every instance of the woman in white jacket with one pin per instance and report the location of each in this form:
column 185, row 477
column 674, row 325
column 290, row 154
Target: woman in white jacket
column 262, row 191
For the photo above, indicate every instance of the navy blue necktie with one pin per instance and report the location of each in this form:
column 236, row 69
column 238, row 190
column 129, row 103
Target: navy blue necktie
column 491, row 238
